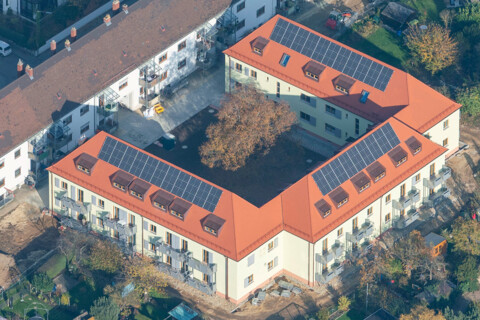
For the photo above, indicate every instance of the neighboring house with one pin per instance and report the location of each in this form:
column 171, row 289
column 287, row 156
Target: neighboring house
column 53, row 108
column 28, row 8
column 437, row 243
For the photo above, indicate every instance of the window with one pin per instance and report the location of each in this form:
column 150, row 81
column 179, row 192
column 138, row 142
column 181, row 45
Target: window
column 332, row 130
column 153, row 228
column 402, row 190
column 445, row 124
column 402, row 212
column 354, row 224
column 119, row 186
column 370, row 211
column 116, row 213
column 131, row 219
column 123, row 85
column 357, row 126
column 116, row 234
column 168, row 260
column 164, row 75
column 339, row 232
column 260, row 11
column 206, row 278
column 182, row 64
column 83, row 169
column 67, row 120
column 417, row 177
column 250, row 279
column 304, row 116
column 431, row 191
column 64, row 185
column 341, row 89
column 325, row 245
column 271, row 264
column 311, row 75
column 18, row 153
column 2, row 163
column 80, row 195
column 238, row 67
column 85, row 128
column 241, row 24
column 182, row 45
column 2, row 182
column 241, row 6
column 101, row 203
column 387, row 217
column 84, row 110
column 168, row 238
column 152, row 246
column 18, row 172
column 305, row 98
column 388, row 198
column 284, row 60
column 205, row 256
column 100, row 222
column 136, row 194
column 162, row 58
column 253, row 74
column 278, row 89
column 445, row 142
column 330, row 109
column 184, row 245
column 271, row 245
column 432, row 169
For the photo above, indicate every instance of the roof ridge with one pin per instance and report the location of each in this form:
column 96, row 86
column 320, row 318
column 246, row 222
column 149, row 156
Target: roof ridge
column 309, row 208
column 234, row 231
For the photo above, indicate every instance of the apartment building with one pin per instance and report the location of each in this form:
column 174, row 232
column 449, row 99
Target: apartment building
column 338, row 93
column 137, row 51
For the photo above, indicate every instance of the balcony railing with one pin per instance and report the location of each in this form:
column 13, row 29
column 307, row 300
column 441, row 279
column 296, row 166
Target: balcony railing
column 325, row 277
column 407, row 220
column 337, row 268
column 109, row 126
column 434, row 181
column 402, row 203
column 170, row 270
column 206, row 287
column 369, row 230
column 356, row 236
column 152, row 100
column 442, row 192
column 325, row 257
column 207, row 268
column 78, row 206
column 168, row 250
column 150, row 82
column 414, row 195
column 338, row 248
column 446, row 173
column 74, row 223
column 124, row 229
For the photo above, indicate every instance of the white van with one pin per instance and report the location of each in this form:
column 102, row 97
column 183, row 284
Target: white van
column 5, row 49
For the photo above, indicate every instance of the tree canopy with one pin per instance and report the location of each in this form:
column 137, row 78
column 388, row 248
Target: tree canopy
column 421, row 312
column 470, row 99
column 465, row 236
column 106, row 256
column 467, row 274
column 247, row 122
column 145, row 275
column 104, row 309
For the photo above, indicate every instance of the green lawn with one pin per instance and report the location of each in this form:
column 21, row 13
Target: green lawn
column 432, row 8
column 352, row 314
column 28, row 303
column 54, row 266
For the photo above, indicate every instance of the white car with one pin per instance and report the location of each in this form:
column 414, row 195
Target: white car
column 5, row 49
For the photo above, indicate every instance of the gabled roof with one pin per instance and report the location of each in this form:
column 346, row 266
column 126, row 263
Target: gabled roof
column 28, row 106
column 410, row 100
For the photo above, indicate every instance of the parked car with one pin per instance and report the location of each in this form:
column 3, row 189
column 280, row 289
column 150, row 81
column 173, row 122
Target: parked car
column 5, row 48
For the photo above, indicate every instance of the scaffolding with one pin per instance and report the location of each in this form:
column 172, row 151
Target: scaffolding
column 206, row 48
column 227, row 28
column 108, row 110
column 149, row 78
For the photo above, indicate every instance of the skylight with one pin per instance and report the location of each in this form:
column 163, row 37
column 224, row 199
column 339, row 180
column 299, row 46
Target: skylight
column 284, row 60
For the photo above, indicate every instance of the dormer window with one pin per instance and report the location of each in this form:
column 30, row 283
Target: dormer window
column 343, row 84
column 258, row 45
column 85, row 163
column 313, row 70
column 376, row 171
column 212, row 224
column 138, row 188
column 339, row 197
column 179, row 208
column 398, row 156
column 121, row 180
column 284, row 60
column 414, row 145
column 162, row 200
column 360, row 181
column 323, row 208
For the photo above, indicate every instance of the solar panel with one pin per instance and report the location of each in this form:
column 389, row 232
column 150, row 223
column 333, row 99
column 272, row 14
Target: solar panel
column 160, row 174
column 356, row 159
column 331, row 54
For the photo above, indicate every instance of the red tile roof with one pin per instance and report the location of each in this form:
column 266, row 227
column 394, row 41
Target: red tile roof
column 409, row 99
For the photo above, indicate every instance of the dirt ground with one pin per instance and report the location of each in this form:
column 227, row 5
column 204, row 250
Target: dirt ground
column 25, row 236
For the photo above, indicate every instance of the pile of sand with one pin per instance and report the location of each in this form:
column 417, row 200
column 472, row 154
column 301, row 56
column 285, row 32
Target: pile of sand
column 6, row 262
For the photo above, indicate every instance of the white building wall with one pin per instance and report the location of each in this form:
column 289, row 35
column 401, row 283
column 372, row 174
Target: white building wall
column 9, row 164
column 11, row 4
column 248, row 15
column 448, row 128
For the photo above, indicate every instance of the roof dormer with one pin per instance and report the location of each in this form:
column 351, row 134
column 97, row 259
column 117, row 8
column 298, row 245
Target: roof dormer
column 360, row 181
column 313, row 70
column 212, row 224
column 323, row 208
column 376, row 171
column 138, row 188
column 258, row 44
column 398, row 156
column 121, row 180
column 343, row 84
column 162, row 200
column 179, row 208
column 85, row 163
column 414, row 145
column 339, row 197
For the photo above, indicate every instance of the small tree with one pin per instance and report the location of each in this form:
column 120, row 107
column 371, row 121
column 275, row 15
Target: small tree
column 104, row 309
column 465, row 236
column 344, row 303
column 42, row 282
column 105, row 256
column 470, row 99
column 421, row 312
column 145, row 275
column 323, row 314
column 248, row 122
column 467, row 274
column 65, row 299
column 433, row 47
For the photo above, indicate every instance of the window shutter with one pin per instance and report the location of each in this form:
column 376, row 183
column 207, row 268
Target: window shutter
column 338, row 132
column 251, row 260
column 72, row 193
column 313, row 121
column 275, row 261
column 57, row 182
column 94, row 219
column 245, row 282
column 338, row 114
column 145, row 225
column 145, row 244
column 210, row 257
column 57, row 202
column 123, row 215
column 175, row 242
column 275, row 242
column 231, row 64
column 246, row 70
column 94, row 200
column 313, row 102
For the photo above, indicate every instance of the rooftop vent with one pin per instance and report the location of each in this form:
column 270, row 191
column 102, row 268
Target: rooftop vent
column 138, row 188
column 414, row 145
column 360, row 181
column 29, row 71
column 259, row 44
column 85, row 163
column 53, row 46
column 19, row 68
column 108, row 20
column 121, row 180
column 323, row 208
column 313, row 70
column 67, row 45
column 212, row 224
column 284, row 60
column 364, row 96
column 376, row 171
column 179, row 208
column 162, row 200
column 398, row 156
column 339, row 197
column 125, row 8
column 343, row 83
column 73, row 34
column 115, row 6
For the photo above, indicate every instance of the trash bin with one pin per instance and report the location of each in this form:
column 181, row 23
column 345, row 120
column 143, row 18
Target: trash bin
column 168, row 141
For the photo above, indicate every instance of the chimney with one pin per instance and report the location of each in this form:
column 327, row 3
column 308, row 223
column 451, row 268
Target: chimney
column 53, row 46
column 19, row 68
column 29, row 71
column 115, row 6
column 73, row 34
column 108, row 20
column 67, row 45
column 125, row 8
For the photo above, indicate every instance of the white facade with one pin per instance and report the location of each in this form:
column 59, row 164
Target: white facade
column 251, row 14
column 14, row 167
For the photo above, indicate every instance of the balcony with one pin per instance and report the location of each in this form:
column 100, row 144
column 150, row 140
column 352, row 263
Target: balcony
column 170, row 270
column 338, row 268
column 414, row 195
column 151, row 81
column 78, row 206
column 168, row 250
column 152, row 98
column 446, row 173
column 434, row 181
column 108, row 109
column 337, row 249
column 207, row 268
column 108, row 125
column 402, row 203
column 124, row 229
column 74, row 224
column 325, row 277
column 369, row 230
column 356, row 236
column 206, row 287
column 407, row 220
column 443, row 192
column 325, row 257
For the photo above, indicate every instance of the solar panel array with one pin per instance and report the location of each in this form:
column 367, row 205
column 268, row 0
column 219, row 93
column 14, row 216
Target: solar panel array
column 160, row 174
column 331, row 54
column 356, row 159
